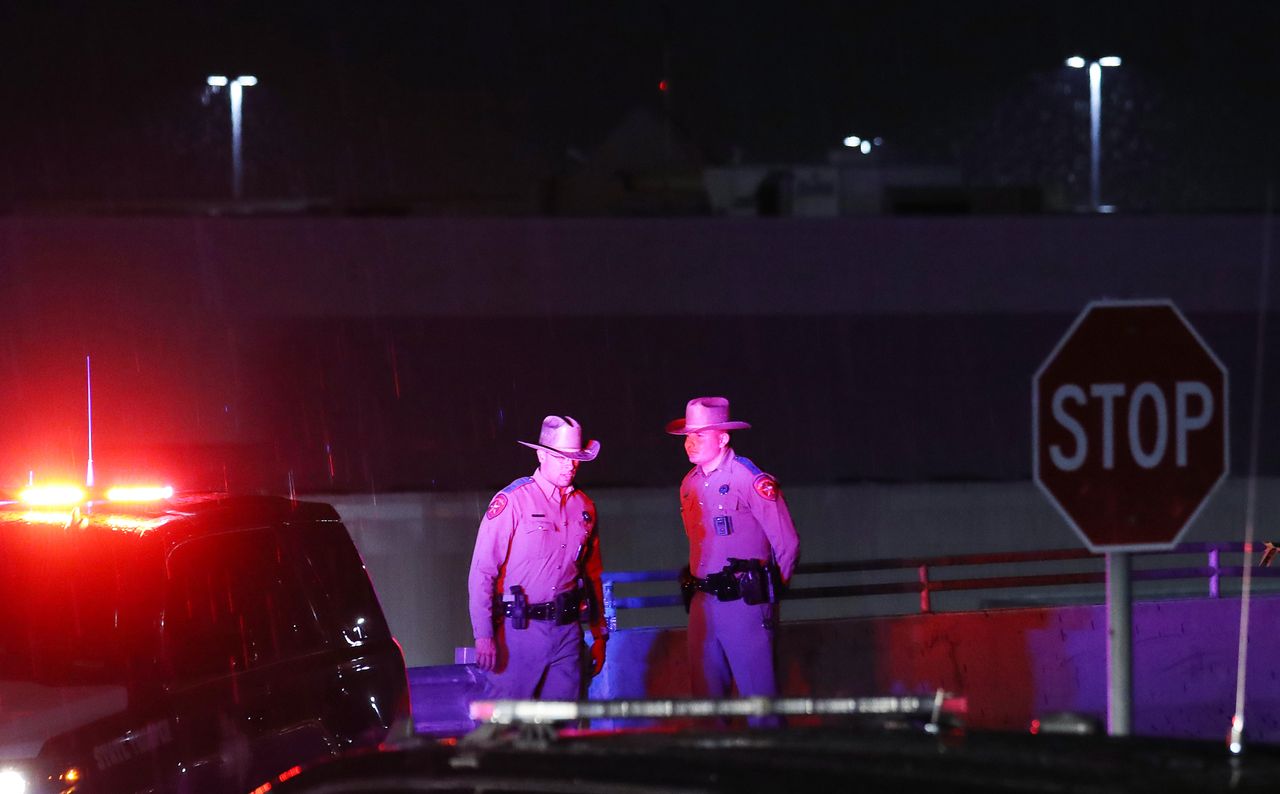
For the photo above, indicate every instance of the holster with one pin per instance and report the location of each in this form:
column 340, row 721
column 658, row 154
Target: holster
column 724, row 584
column 589, row 607
column 568, row 607
column 519, row 609
column 758, row 582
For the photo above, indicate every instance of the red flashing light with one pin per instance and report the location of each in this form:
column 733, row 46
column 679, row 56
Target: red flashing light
column 956, row 705
column 292, row 771
column 1035, row 727
column 663, row 86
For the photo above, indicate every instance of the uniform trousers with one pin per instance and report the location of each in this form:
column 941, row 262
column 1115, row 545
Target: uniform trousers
column 541, row 661
column 731, row 641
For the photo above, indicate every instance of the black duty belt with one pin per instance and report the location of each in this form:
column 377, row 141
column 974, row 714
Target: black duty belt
column 752, row 581
column 721, row 585
column 703, row 585
column 562, row 611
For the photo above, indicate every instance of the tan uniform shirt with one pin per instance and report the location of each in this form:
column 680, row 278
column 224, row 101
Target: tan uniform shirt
column 535, row 536
column 738, row 511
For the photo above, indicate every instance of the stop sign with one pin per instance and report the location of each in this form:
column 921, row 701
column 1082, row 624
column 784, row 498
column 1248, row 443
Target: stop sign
column 1129, row 425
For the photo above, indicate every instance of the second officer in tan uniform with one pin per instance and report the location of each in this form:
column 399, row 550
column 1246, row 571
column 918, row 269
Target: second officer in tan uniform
column 742, row 548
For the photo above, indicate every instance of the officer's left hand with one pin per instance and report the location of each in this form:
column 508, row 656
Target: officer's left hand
column 597, row 656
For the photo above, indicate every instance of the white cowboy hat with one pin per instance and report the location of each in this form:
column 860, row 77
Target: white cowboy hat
column 705, row 413
column 563, row 436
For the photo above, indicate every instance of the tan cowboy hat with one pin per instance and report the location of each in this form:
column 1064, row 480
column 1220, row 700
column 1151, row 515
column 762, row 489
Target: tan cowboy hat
column 705, row 413
column 563, row 436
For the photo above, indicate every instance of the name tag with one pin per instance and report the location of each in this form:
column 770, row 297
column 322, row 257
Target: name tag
column 723, row 524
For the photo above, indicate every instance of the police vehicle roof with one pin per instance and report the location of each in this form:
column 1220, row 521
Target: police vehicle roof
column 180, row 517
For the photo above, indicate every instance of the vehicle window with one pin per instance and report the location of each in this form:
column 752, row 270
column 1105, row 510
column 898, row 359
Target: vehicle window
column 234, row 604
column 334, row 573
column 80, row 607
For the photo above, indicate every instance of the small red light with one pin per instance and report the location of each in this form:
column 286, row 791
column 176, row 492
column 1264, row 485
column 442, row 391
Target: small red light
column 292, row 771
column 663, row 86
column 1035, row 727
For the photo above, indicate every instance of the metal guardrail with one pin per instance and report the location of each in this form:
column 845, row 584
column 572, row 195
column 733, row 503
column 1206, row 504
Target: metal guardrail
column 925, row 584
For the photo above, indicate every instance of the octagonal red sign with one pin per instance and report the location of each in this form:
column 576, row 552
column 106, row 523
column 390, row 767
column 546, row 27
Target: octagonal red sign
column 1129, row 425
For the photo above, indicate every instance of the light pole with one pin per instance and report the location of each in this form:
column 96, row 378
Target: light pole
column 1095, row 123
column 237, row 86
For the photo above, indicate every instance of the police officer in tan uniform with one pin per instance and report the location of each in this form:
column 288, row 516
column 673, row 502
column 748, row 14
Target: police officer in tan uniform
column 536, row 561
column 742, row 548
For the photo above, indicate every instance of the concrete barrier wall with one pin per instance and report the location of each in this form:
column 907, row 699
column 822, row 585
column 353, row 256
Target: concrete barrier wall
column 1012, row 665
column 418, row 546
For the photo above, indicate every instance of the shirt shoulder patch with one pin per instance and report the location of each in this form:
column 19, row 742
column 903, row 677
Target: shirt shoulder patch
column 767, row 487
column 748, row 465
column 501, row 500
column 517, row 484
column 496, row 507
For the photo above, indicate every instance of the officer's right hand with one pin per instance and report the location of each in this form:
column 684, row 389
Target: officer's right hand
column 486, row 653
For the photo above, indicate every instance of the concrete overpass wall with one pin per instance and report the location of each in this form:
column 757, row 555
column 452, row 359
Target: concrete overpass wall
column 404, row 355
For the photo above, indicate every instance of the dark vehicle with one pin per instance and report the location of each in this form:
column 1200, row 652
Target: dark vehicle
column 800, row 759
column 194, row 644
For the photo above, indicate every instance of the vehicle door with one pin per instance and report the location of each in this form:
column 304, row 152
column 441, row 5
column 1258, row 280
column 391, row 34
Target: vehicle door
column 363, row 676
column 238, row 633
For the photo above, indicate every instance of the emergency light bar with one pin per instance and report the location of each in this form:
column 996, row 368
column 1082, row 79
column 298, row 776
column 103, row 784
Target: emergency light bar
column 139, row 493
column 52, row 495
column 517, row 712
column 59, row 495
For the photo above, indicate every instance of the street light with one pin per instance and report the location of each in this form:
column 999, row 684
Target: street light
column 1095, row 123
column 862, row 144
column 237, row 86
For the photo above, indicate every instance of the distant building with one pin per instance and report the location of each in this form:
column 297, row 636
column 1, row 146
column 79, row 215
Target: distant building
column 853, row 183
column 645, row 166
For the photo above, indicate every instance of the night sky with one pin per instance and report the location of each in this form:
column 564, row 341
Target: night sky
column 382, row 101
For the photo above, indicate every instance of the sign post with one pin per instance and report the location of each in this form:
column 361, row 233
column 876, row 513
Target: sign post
column 1129, row 439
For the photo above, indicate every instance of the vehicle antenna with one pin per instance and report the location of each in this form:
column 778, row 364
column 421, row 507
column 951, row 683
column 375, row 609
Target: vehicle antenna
column 1235, row 740
column 88, row 390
